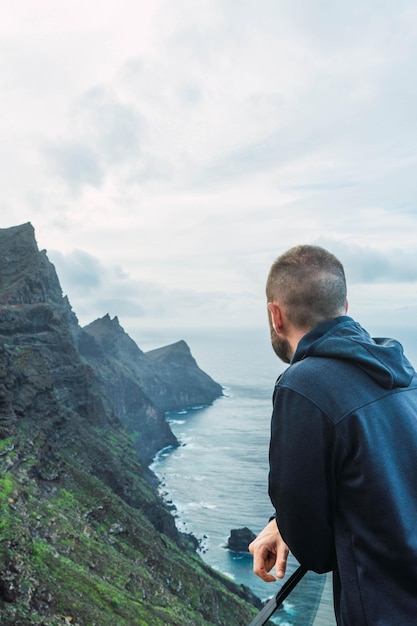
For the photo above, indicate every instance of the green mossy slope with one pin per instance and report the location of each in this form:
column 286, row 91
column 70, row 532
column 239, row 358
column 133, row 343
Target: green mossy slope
column 74, row 549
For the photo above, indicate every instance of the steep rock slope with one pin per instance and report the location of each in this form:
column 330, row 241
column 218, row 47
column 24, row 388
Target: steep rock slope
column 143, row 386
column 84, row 538
column 185, row 384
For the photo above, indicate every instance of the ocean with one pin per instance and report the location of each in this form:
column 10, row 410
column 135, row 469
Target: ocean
column 217, row 477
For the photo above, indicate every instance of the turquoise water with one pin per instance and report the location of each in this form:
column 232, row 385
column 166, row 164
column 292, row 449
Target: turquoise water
column 217, row 478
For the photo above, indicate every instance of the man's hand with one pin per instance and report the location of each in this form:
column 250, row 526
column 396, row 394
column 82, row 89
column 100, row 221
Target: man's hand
column 269, row 549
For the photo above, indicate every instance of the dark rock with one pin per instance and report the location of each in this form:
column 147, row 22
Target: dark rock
column 185, row 384
column 120, row 367
column 239, row 539
column 142, row 386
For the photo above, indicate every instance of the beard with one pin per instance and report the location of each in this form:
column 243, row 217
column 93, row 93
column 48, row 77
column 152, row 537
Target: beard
column 280, row 346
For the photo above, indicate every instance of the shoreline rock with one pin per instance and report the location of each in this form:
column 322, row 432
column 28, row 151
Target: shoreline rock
column 239, row 539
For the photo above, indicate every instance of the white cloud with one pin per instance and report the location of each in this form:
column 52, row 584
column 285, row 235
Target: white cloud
column 76, row 163
column 190, row 143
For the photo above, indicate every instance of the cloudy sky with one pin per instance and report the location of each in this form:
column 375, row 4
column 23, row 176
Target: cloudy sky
column 167, row 152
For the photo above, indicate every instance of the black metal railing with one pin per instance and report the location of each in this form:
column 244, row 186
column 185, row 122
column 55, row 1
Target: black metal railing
column 272, row 605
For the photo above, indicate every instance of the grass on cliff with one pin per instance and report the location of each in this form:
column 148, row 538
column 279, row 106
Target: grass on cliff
column 85, row 556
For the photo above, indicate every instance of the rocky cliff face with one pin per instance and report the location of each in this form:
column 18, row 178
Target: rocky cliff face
column 142, row 386
column 84, row 538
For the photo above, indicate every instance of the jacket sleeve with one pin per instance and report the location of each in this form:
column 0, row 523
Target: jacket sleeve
column 302, row 478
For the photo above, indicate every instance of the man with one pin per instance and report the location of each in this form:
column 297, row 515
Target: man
column 343, row 449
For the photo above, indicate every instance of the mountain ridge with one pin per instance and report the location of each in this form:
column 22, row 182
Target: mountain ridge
column 84, row 535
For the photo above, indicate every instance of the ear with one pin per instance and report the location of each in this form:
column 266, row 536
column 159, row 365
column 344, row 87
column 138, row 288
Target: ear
column 347, row 305
column 276, row 316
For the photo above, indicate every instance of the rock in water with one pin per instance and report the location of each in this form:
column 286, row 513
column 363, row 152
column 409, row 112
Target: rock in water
column 239, row 539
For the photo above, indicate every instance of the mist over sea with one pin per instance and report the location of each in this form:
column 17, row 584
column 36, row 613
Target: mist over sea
column 217, row 478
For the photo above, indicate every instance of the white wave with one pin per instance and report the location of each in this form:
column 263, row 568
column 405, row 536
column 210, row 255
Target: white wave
column 200, row 505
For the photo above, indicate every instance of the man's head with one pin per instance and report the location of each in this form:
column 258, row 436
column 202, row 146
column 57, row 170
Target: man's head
column 305, row 286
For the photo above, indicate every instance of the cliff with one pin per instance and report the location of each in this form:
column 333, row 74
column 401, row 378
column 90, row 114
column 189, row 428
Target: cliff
column 84, row 537
column 142, row 386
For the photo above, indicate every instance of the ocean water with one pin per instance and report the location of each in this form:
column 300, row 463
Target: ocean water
column 217, row 478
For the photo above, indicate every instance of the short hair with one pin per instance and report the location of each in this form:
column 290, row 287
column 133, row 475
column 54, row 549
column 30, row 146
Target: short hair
column 310, row 284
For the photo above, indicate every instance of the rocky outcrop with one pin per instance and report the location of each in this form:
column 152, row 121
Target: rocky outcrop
column 118, row 364
column 239, row 539
column 85, row 538
column 184, row 383
column 142, row 386
column 26, row 275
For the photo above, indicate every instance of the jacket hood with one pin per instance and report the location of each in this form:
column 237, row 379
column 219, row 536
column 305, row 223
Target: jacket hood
column 343, row 338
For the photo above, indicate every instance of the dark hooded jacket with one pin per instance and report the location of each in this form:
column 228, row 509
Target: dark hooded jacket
column 343, row 469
